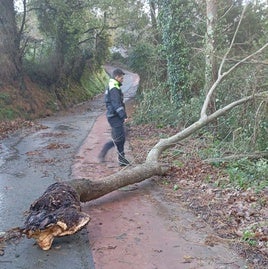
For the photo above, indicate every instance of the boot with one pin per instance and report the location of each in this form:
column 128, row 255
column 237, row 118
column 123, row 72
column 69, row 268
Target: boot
column 122, row 160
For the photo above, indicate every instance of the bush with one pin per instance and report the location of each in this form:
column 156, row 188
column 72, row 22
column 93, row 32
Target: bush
column 155, row 106
column 5, row 99
column 143, row 59
column 248, row 174
column 7, row 114
column 117, row 57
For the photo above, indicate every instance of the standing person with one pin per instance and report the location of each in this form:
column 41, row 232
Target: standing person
column 116, row 116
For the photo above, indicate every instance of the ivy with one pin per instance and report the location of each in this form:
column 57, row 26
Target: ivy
column 176, row 17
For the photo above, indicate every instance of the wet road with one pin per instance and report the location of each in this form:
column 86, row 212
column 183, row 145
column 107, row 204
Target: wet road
column 29, row 163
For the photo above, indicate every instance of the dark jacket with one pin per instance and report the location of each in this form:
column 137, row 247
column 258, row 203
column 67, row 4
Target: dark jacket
column 114, row 100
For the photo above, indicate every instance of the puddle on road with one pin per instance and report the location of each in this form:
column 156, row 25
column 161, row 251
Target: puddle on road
column 63, row 127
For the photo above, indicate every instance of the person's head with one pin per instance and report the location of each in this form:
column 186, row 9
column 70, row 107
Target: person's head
column 118, row 75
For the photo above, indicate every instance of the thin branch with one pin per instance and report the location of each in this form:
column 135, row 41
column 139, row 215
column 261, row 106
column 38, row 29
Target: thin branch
column 245, row 59
column 257, row 121
column 23, row 19
column 226, row 12
column 232, row 42
column 221, row 76
column 255, row 155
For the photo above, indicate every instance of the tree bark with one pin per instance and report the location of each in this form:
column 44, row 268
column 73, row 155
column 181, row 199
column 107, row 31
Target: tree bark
column 210, row 68
column 9, row 44
column 89, row 189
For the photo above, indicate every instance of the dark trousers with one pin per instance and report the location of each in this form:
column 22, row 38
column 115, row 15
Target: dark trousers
column 118, row 138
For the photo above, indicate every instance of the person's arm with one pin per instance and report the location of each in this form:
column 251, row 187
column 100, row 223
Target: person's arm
column 119, row 108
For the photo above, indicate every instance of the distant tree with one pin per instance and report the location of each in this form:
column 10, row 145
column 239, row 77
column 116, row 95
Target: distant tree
column 62, row 24
column 85, row 30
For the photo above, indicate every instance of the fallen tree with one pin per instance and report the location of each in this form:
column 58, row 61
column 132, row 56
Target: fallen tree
column 58, row 212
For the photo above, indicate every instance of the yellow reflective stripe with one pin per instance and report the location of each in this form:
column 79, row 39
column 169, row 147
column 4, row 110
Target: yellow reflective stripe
column 113, row 84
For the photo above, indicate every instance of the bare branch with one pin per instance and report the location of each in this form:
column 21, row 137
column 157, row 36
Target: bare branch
column 164, row 144
column 226, row 12
column 252, row 156
column 221, row 76
column 245, row 59
column 23, row 19
column 232, row 42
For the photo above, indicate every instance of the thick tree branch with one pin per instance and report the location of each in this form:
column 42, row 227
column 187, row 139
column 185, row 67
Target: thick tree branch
column 91, row 189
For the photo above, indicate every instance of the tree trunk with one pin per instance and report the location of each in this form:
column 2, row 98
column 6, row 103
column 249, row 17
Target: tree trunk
column 57, row 212
column 153, row 16
column 9, row 44
column 90, row 189
column 210, row 68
